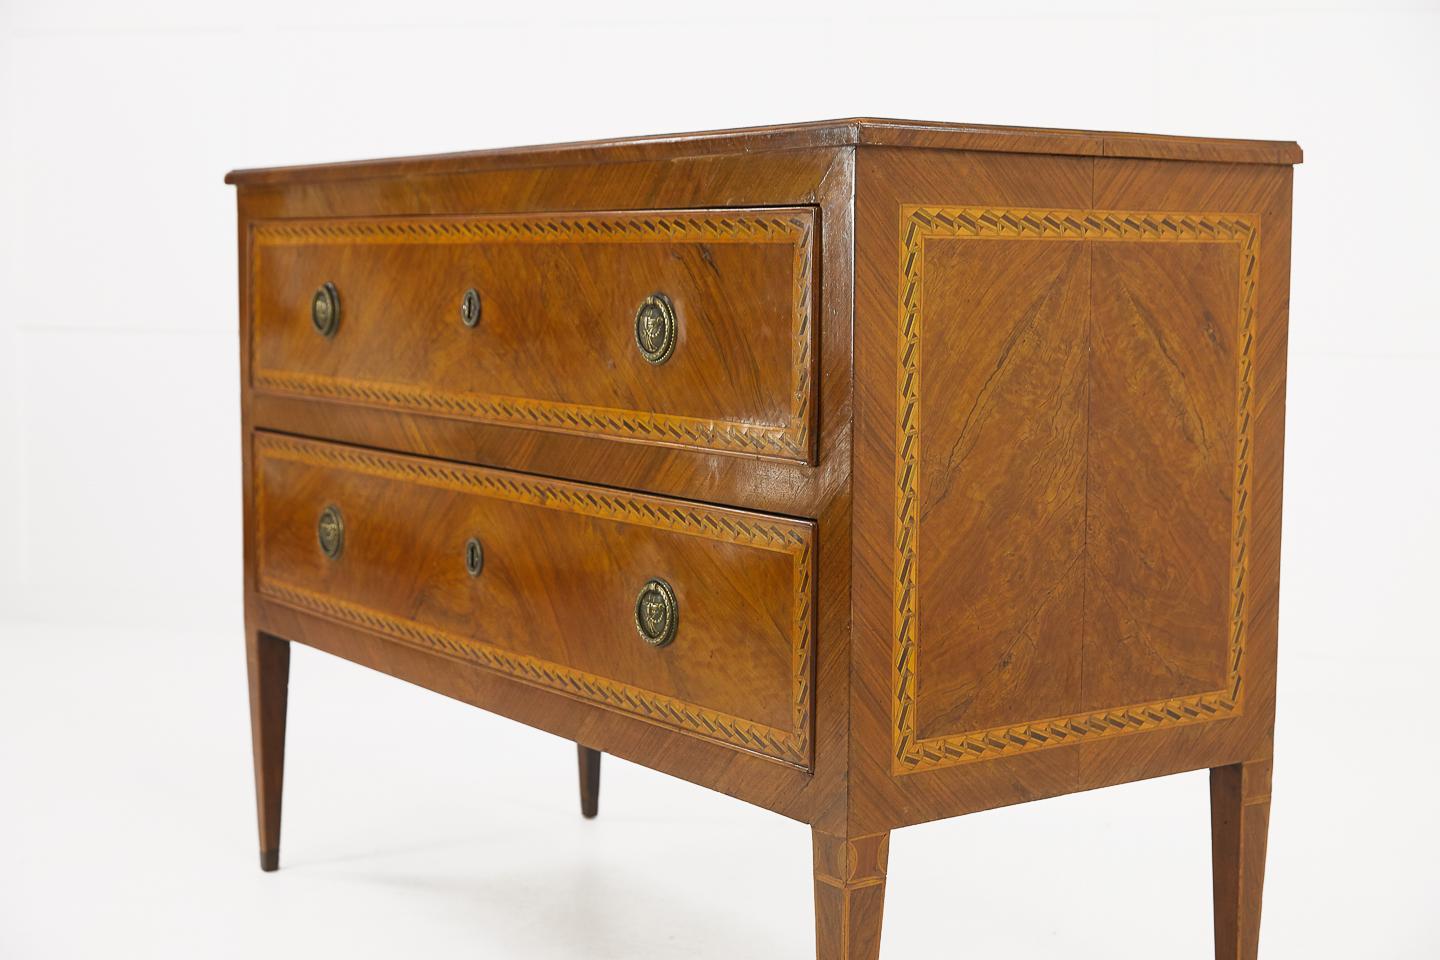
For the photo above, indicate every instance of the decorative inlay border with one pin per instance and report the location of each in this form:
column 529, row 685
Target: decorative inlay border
column 792, row 440
column 919, row 222
column 791, row 746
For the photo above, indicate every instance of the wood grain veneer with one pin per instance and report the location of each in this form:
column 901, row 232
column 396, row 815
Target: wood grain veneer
column 965, row 471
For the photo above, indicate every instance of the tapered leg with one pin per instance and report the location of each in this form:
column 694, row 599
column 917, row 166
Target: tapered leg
column 269, row 660
column 589, row 782
column 849, row 895
column 1239, row 825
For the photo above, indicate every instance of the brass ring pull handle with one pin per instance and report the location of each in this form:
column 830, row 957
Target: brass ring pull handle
column 474, row 557
column 325, row 309
column 330, row 531
column 657, row 614
column 656, row 328
column 470, row 308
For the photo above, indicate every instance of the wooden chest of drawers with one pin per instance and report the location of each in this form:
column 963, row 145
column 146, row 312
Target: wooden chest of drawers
column 872, row 472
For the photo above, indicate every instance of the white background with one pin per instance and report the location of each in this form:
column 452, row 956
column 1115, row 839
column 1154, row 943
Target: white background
column 419, row 827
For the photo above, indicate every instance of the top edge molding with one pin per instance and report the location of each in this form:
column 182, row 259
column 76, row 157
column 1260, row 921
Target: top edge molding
column 798, row 136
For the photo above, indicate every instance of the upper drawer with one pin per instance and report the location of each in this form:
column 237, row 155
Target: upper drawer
column 557, row 344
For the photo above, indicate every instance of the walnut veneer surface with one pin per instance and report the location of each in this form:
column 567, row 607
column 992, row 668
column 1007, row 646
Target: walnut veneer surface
column 869, row 471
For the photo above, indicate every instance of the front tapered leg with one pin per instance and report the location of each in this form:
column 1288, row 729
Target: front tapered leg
column 269, row 661
column 589, row 782
column 849, row 895
column 1239, row 826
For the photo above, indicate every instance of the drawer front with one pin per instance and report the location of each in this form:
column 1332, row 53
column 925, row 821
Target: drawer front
column 543, row 580
column 551, row 337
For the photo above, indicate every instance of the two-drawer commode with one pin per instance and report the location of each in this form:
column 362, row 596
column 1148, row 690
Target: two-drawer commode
column 871, row 472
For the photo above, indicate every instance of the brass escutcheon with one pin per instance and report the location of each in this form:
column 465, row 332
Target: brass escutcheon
column 474, row 557
column 330, row 531
column 656, row 328
column 657, row 615
column 470, row 307
column 325, row 309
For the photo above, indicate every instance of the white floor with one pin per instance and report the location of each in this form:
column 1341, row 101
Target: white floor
column 418, row 827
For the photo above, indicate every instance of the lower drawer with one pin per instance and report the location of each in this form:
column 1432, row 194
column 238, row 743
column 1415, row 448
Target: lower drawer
column 695, row 617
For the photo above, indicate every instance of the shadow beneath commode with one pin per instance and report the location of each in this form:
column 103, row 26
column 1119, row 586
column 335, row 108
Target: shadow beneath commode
column 558, row 900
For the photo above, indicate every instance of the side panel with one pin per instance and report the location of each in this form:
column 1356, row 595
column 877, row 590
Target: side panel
column 1070, row 490
column 1064, row 365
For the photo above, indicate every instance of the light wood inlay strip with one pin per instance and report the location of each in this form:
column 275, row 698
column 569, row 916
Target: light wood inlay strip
column 850, row 884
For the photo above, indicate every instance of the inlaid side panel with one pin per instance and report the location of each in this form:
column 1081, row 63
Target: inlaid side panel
column 1071, row 476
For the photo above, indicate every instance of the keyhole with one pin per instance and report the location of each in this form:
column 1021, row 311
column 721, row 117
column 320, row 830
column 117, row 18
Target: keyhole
column 470, row 307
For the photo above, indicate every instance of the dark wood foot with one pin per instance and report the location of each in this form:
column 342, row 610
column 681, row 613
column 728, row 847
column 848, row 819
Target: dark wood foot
column 589, row 782
column 849, row 895
column 1239, row 827
column 269, row 660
